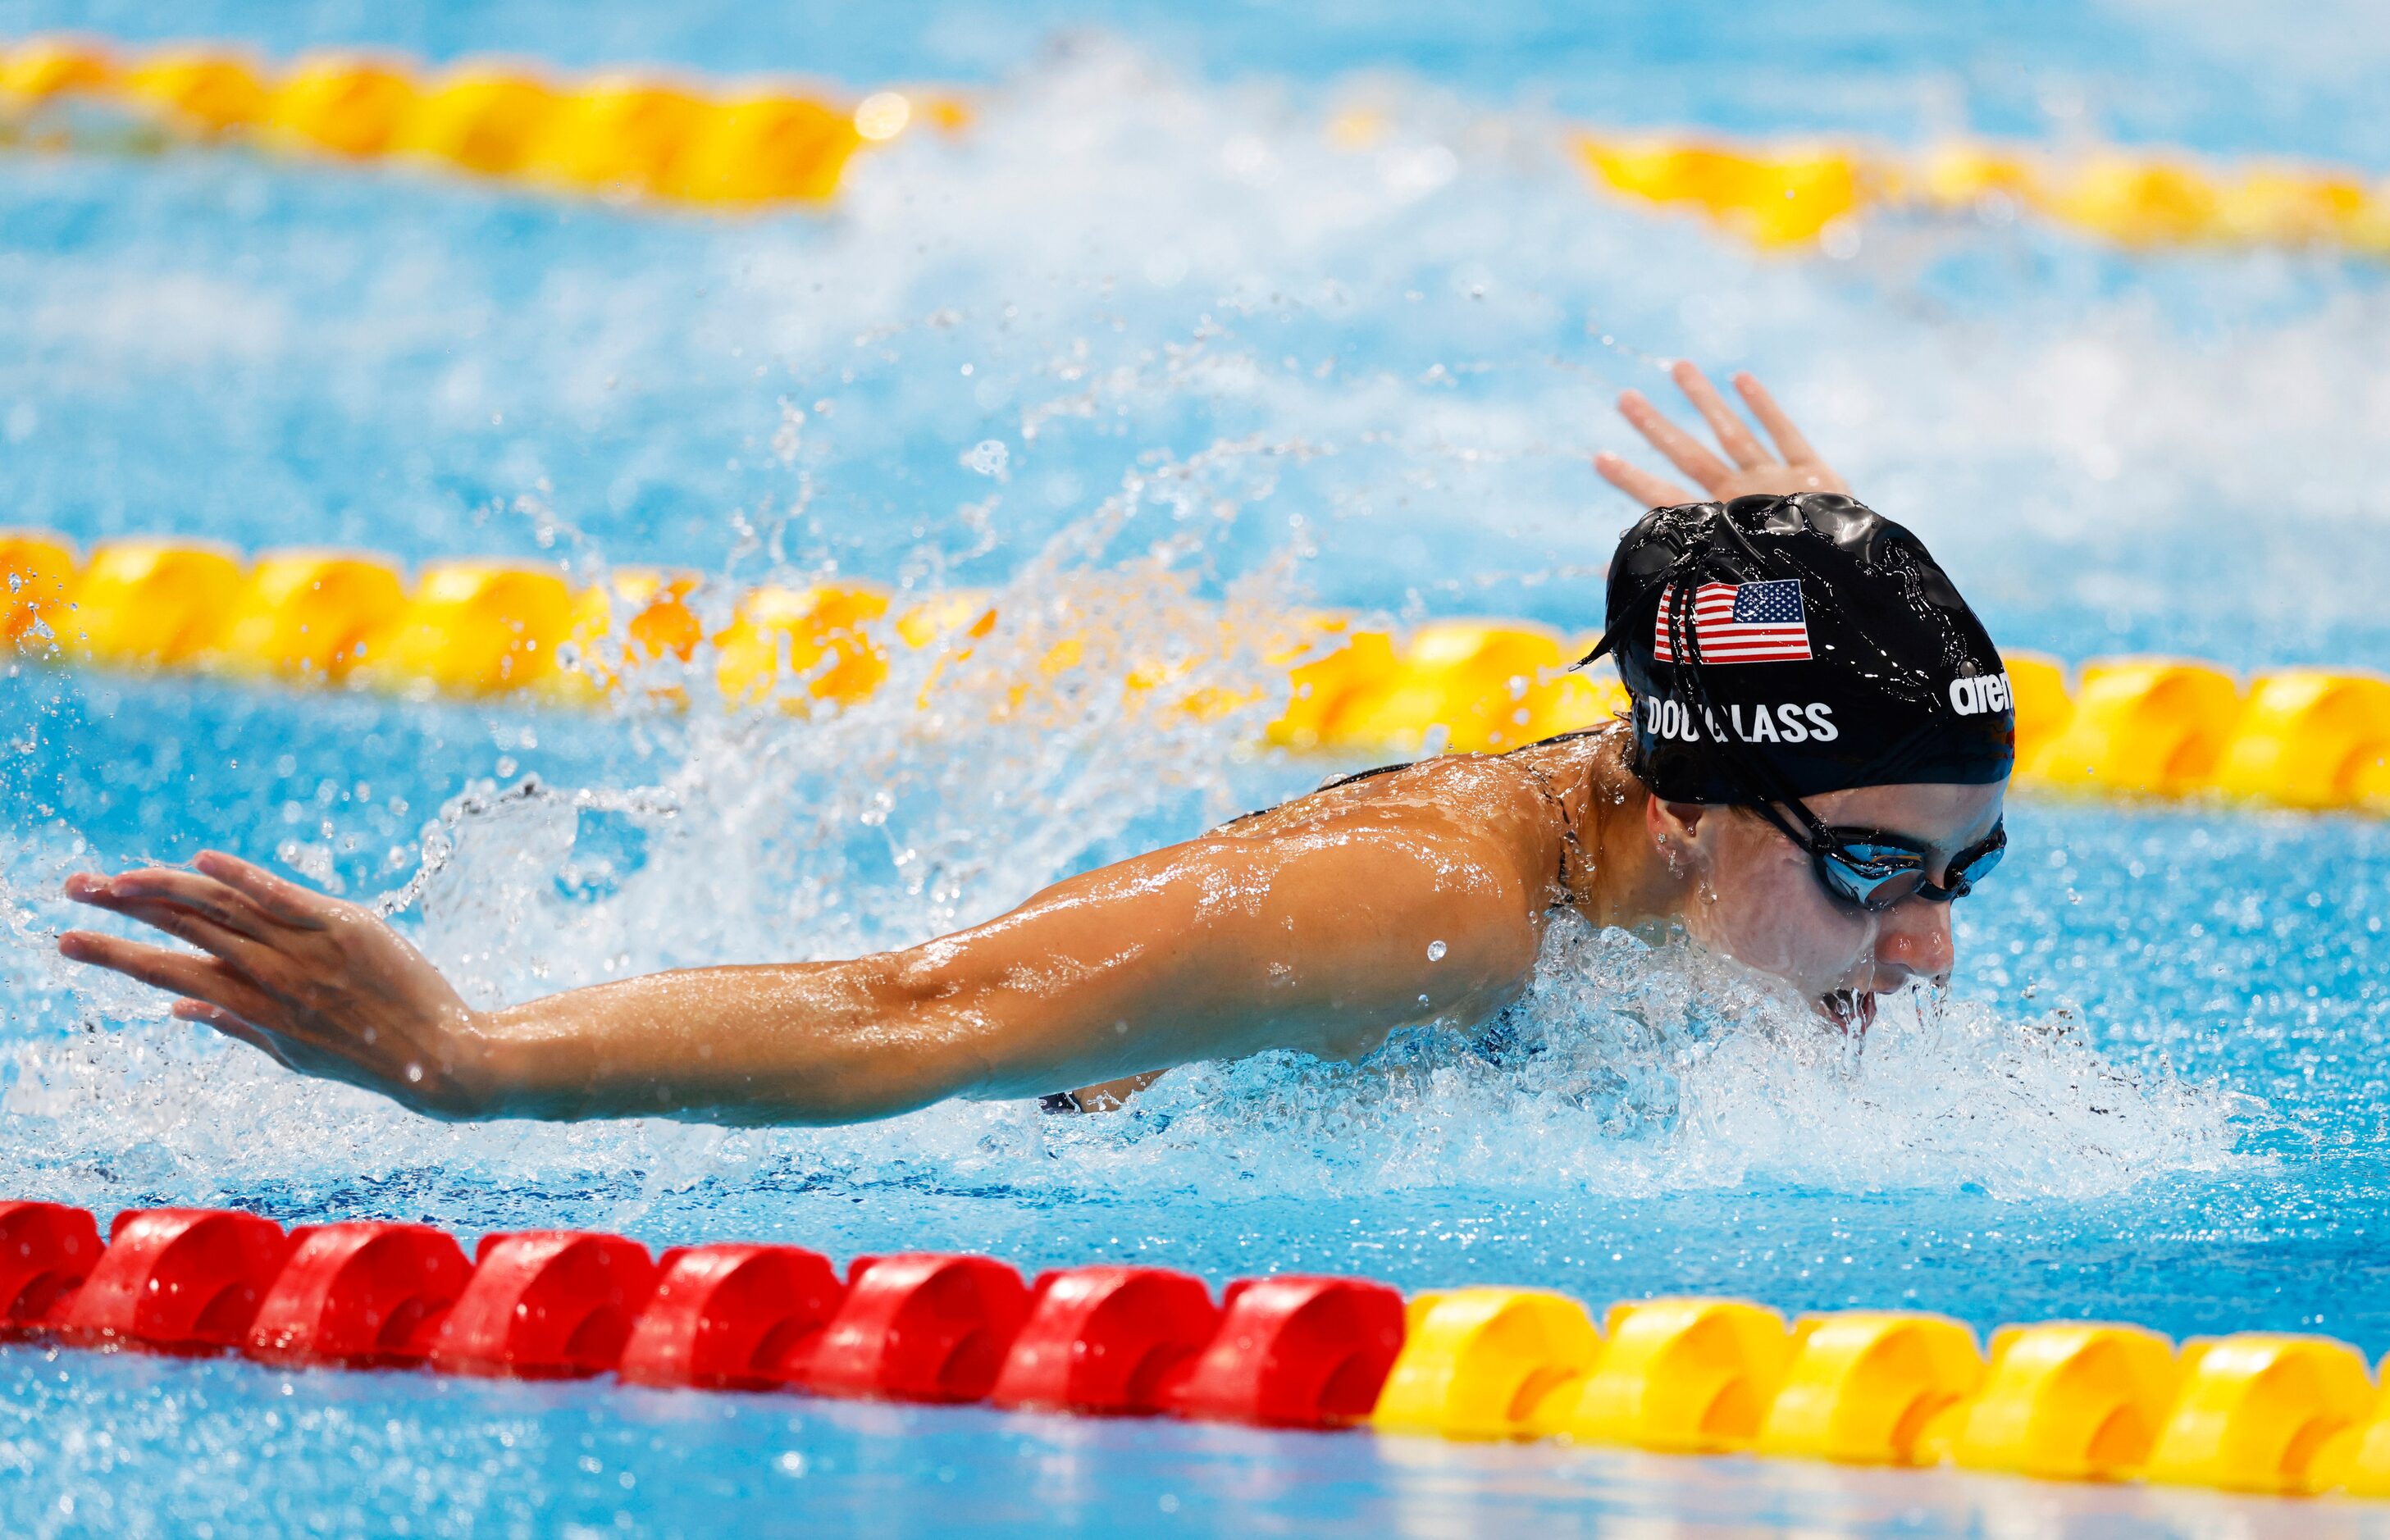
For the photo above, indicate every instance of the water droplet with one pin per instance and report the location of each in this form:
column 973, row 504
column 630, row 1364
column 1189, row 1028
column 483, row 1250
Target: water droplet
column 1435, row 951
column 989, row 457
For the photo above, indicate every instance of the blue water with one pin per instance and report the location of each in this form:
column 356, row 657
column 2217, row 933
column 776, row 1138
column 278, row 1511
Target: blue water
column 1227, row 363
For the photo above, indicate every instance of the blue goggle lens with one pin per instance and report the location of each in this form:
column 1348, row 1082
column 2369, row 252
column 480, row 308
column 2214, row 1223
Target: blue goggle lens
column 1876, row 875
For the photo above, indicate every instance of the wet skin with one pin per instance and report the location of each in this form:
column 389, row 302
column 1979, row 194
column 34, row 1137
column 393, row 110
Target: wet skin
column 1322, row 926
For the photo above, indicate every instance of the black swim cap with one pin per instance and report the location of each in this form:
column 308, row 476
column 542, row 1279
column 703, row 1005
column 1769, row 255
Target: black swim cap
column 1782, row 647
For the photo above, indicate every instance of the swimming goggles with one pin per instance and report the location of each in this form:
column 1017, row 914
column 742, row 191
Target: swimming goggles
column 1876, row 872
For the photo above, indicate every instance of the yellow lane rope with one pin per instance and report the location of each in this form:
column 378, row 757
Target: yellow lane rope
column 2260, row 1412
column 1794, row 195
column 2157, row 727
column 669, row 137
column 652, row 135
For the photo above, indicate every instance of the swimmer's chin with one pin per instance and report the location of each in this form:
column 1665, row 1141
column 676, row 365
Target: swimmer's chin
column 1851, row 1010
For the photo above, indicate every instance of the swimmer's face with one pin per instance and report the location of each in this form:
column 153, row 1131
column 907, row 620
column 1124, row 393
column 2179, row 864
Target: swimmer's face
column 1751, row 893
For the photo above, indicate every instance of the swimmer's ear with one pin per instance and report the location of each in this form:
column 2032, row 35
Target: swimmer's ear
column 1674, row 826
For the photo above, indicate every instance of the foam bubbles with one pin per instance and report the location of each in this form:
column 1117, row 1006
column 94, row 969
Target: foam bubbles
column 1629, row 1070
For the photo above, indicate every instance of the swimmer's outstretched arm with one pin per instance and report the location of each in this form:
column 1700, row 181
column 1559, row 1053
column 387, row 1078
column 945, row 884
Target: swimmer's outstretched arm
column 1322, row 927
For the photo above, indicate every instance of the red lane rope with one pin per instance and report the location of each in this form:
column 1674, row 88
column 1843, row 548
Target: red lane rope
column 563, row 1305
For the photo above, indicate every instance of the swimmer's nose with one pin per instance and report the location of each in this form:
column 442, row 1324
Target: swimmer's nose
column 1913, row 942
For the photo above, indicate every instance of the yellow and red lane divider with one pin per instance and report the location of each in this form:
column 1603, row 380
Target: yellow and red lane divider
column 1793, row 195
column 2259, row 1412
column 2150, row 727
column 651, row 135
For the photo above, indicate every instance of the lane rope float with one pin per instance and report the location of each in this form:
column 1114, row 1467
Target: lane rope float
column 2144, row 727
column 2255, row 1412
column 668, row 137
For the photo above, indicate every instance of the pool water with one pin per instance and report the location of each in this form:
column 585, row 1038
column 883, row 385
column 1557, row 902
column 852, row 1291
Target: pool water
column 1146, row 342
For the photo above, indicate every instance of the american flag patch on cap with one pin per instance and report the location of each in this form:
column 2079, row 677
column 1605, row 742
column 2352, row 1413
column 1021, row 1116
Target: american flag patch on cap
column 1740, row 622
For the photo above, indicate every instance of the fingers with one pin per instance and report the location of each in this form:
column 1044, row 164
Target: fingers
column 1741, row 444
column 1789, row 439
column 242, row 952
column 1684, row 451
column 205, row 979
column 1653, row 492
column 163, row 886
column 287, row 902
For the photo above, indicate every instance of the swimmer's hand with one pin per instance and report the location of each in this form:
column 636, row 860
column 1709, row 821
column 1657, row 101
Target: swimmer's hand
column 318, row 985
column 1754, row 470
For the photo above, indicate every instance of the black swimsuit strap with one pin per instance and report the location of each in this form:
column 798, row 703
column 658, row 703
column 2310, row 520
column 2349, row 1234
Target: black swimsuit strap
column 1569, row 839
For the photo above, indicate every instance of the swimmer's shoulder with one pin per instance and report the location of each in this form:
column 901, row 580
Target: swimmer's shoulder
column 1590, row 756
column 1535, row 797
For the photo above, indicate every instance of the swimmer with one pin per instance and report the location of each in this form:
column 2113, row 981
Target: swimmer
column 1812, row 770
